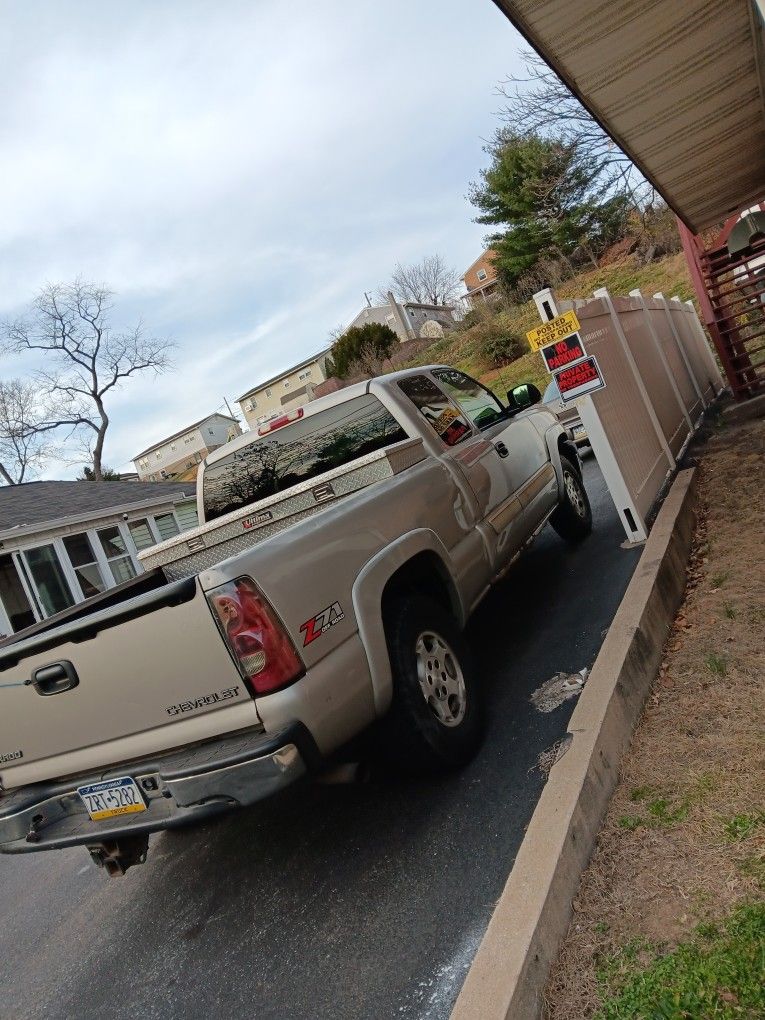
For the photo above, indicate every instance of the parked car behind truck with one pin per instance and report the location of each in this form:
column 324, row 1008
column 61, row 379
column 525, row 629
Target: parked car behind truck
column 340, row 551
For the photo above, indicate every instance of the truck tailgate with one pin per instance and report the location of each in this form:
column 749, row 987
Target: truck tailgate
column 145, row 676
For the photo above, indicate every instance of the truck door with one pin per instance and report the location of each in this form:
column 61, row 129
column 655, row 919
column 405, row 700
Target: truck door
column 474, row 454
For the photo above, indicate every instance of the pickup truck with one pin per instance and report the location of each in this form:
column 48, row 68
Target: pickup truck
column 340, row 550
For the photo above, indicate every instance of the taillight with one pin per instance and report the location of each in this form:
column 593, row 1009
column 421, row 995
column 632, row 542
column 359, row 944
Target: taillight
column 255, row 636
column 280, row 422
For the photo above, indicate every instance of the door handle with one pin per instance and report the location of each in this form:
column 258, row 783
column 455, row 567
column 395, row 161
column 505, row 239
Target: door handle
column 55, row 678
column 501, row 449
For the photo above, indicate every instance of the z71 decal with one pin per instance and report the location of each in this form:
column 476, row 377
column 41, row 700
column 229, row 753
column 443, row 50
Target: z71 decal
column 321, row 623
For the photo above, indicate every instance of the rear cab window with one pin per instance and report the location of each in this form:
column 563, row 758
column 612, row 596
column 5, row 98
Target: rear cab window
column 298, row 452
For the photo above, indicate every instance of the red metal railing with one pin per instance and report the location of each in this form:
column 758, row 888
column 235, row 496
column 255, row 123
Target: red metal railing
column 731, row 293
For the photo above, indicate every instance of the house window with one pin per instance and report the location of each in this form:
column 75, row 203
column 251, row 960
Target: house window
column 173, row 446
column 166, row 526
column 481, row 274
column 305, row 375
column 286, row 384
column 83, row 559
column 157, row 455
column 211, row 432
column 141, row 534
column 268, row 394
column 14, row 599
column 116, row 553
column 49, row 579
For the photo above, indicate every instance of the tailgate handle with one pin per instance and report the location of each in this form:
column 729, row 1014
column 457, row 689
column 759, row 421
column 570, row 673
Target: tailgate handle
column 55, row 678
column 501, row 449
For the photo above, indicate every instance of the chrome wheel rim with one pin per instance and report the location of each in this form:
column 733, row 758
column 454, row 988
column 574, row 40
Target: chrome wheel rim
column 574, row 494
column 441, row 679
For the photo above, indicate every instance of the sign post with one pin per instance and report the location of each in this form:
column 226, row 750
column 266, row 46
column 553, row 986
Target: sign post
column 629, row 515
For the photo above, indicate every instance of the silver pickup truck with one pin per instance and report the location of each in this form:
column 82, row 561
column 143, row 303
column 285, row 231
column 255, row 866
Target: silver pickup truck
column 340, row 551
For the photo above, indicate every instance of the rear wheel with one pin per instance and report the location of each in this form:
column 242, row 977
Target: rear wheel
column 573, row 517
column 435, row 720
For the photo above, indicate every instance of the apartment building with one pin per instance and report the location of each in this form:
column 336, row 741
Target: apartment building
column 291, row 388
column 180, row 452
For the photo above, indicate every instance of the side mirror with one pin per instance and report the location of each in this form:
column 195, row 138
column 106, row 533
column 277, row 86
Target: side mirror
column 523, row 396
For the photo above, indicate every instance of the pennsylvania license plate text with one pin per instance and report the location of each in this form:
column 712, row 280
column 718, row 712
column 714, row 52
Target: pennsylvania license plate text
column 111, row 798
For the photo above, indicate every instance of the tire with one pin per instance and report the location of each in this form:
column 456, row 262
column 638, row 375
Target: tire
column 573, row 517
column 428, row 652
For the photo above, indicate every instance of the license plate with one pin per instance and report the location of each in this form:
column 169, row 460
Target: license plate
column 111, row 798
column 578, row 430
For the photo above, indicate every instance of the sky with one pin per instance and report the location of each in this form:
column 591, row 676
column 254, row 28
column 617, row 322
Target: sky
column 239, row 173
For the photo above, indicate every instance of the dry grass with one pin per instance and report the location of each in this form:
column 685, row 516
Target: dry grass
column 684, row 837
column 464, row 349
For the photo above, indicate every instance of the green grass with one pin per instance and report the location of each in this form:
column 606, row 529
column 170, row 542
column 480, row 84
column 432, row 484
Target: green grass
column 729, row 611
column 718, row 580
column 660, row 811
column 719, row 974
column 742, row 826
column 716, row 664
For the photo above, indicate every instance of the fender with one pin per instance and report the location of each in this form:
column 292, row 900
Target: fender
column 551, row 438
column 366, row 596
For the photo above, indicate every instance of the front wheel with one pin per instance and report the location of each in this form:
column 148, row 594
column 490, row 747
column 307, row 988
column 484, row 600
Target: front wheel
column 435, row 719
column 573, row 517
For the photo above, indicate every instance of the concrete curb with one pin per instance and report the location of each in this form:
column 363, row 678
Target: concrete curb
column 507, row 977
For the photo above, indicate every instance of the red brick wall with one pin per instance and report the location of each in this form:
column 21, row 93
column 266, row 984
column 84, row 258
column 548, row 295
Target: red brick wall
column 485, row 262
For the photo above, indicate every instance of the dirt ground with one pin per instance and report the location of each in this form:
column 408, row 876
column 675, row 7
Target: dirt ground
column 684, row 837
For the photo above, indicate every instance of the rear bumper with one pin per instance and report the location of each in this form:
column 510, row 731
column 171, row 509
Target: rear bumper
column 178, row 788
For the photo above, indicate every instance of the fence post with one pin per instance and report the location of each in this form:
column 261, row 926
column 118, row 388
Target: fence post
column 660, row 297
column 602, row 292
column 632, row 520
column 715, row 378
column 637, row 294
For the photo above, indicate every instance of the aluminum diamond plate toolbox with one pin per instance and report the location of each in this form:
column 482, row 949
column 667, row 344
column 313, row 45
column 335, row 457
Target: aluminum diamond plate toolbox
column 209, row 544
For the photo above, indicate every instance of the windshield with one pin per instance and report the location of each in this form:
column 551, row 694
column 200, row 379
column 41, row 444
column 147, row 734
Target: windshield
column 551, row 393
column 297, row 452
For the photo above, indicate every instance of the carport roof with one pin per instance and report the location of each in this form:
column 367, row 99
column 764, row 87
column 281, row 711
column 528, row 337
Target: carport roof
column 678, row 84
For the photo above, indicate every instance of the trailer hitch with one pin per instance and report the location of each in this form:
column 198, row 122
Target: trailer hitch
column 117, row 855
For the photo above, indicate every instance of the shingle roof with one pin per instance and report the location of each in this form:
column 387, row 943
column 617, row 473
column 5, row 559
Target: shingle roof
column 34, row 503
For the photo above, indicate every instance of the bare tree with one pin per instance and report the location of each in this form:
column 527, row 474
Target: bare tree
column 23, row 448
column 429, row 282
column 85, row 358
column 540, row 103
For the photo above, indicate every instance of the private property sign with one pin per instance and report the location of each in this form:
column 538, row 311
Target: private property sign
column 552, row 331
column 577, row 379
column 563, row 352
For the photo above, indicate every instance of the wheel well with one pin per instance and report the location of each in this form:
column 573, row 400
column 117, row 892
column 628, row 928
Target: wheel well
column 426, row 574
column 568, row 450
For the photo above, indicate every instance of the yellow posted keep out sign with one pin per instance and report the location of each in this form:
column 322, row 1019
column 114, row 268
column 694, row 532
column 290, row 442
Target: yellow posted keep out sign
column 556, row 329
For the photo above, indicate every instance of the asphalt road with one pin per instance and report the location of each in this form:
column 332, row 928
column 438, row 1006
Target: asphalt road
column 342, row 902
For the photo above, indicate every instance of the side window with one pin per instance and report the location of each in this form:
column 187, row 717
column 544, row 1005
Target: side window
column 478, row 403
column 435, row 406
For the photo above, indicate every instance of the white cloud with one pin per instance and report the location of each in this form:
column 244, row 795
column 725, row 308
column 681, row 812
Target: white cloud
column 239, row 172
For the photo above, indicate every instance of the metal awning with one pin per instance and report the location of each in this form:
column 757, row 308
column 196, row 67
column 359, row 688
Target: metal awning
column 678, row 84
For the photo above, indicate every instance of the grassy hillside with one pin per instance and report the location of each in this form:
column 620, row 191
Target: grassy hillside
column 464, row 348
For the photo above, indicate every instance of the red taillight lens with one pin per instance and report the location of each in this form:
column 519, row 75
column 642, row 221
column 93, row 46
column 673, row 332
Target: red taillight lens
column 255, row 636
column 280, row 422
